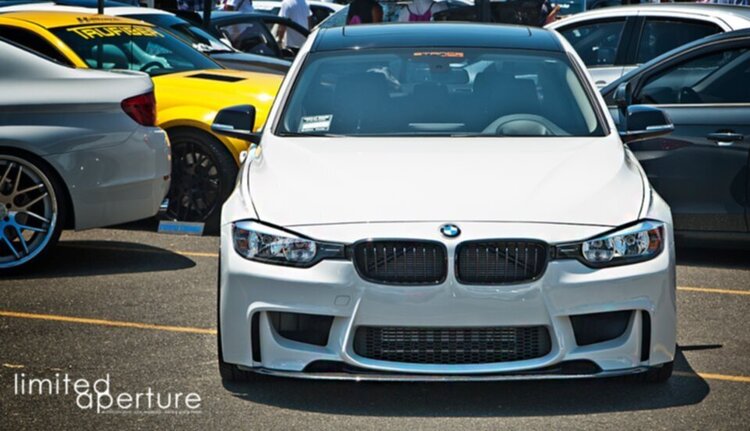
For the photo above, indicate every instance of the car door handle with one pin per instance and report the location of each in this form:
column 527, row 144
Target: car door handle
column 725, row 138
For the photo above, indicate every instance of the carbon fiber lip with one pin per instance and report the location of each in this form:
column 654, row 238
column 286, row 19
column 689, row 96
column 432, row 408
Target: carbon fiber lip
column 397, row 377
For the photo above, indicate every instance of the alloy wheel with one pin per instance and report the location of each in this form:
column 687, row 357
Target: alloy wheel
column 28, row 211
column 196, row 185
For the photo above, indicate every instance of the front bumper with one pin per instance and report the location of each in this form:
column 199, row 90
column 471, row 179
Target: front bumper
column 250, row 291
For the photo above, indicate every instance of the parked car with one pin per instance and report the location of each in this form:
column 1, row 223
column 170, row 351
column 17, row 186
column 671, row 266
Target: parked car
column 200, row 39
column 320, row 10
column 253, row 32
column 78, row 150
column 701, row 170
column 400, row 220
column 614, row 40
column 190, row 88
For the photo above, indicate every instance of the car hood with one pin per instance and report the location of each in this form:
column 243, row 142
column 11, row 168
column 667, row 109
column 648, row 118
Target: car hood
column 215, row 89
column 309, row 181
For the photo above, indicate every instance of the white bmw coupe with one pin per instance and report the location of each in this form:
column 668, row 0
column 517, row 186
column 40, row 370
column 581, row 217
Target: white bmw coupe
column 444, row 202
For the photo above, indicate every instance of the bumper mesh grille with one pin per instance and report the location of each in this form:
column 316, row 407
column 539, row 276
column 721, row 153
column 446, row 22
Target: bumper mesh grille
column 452, row 345
column 401, row 262
column 500, row 262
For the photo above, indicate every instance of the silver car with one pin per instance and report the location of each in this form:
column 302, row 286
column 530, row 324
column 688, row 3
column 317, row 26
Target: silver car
column 78, row 150
column 615, row 40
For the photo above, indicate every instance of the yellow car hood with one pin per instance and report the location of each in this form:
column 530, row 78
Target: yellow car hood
column 207, row 91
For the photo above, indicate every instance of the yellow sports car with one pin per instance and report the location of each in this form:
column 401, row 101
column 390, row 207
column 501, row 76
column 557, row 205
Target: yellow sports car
column 190, row 88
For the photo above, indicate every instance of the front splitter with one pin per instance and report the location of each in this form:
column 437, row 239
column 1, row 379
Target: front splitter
column 397, row 377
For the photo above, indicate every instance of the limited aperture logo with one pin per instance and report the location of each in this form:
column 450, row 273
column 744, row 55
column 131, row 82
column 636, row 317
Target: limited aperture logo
column 450, row 230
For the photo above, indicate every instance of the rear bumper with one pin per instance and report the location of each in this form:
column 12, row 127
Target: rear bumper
column 119, row 183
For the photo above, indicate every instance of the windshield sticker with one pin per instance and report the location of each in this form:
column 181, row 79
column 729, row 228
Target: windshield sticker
column 316, row 123
column 93, row 18
column 103, row 31
column 439, row 54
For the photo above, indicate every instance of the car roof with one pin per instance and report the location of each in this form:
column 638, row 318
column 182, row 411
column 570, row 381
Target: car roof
column 716, row 38
column 108, row 10
column 80, row 3
column 55, row 19
column 703, row 9
column 436, row 35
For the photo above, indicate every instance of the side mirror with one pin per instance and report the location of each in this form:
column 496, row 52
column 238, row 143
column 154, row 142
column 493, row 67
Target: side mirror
column 644, row 122
column 236, row 122
column 623, row 97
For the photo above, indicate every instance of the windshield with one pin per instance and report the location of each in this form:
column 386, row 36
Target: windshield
column 133, row 47
column 439, row 92
column 196, row 36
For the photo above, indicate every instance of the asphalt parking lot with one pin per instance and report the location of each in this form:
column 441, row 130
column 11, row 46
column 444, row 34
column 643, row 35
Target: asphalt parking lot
column 140, row 307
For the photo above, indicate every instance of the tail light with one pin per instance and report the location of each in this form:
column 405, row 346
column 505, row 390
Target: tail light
column 141, row 108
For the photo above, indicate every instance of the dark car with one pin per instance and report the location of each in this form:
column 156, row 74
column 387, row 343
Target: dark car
column 253, row 32
column 211, row 45
column 701, row 169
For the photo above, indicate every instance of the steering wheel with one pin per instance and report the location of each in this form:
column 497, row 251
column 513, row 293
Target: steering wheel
column 150, row 65
column 524, row 125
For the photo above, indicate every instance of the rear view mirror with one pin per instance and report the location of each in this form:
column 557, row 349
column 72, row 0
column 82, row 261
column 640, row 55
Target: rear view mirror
column 236, row 122
column 644, row 122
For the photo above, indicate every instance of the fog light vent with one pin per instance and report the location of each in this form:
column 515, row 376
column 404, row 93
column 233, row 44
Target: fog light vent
column 303, row 328
column 599, row 327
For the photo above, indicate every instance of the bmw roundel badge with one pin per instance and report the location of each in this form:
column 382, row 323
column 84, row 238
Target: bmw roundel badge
column 450, row 230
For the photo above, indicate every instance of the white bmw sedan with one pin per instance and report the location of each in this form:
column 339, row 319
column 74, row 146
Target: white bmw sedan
column 444, row 202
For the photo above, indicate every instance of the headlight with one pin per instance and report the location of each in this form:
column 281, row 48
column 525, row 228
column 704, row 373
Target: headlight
column 255, row 241
column 636, row 243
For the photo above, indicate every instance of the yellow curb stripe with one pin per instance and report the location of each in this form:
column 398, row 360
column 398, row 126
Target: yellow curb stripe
column 714, row 376
column 204, row 331
column 102, row 322
column 711, row 290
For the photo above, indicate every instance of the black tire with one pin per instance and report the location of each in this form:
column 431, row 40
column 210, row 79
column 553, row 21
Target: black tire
column 52, row 206
column 657, row 375
column 203, row 176
column 229, row 372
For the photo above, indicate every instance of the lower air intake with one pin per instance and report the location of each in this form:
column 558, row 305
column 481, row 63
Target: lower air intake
column 452, row 345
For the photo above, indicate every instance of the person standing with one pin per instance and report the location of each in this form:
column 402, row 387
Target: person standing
column 420, row 11
column 364, row 12
column 245, row 6
column 299, row 12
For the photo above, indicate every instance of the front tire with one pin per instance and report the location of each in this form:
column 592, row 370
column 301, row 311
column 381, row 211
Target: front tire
column 203, row 175
column 31, row 211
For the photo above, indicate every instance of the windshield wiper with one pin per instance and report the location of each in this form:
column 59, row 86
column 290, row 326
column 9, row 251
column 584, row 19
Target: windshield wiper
column 310, row 134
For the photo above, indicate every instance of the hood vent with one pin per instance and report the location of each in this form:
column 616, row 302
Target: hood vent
column 222, row 78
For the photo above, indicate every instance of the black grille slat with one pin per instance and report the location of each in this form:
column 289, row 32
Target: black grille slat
column 401, row 262
column 452, row 345
column 500, row 261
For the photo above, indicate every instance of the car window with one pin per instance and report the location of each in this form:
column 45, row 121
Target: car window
column 251, row 36
column 439, row 92
column 596, row 43
column 319, row 14
column 196, row 36
column 33, row 42
column 662, row 35
column 133, row 47
column 719, row 77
